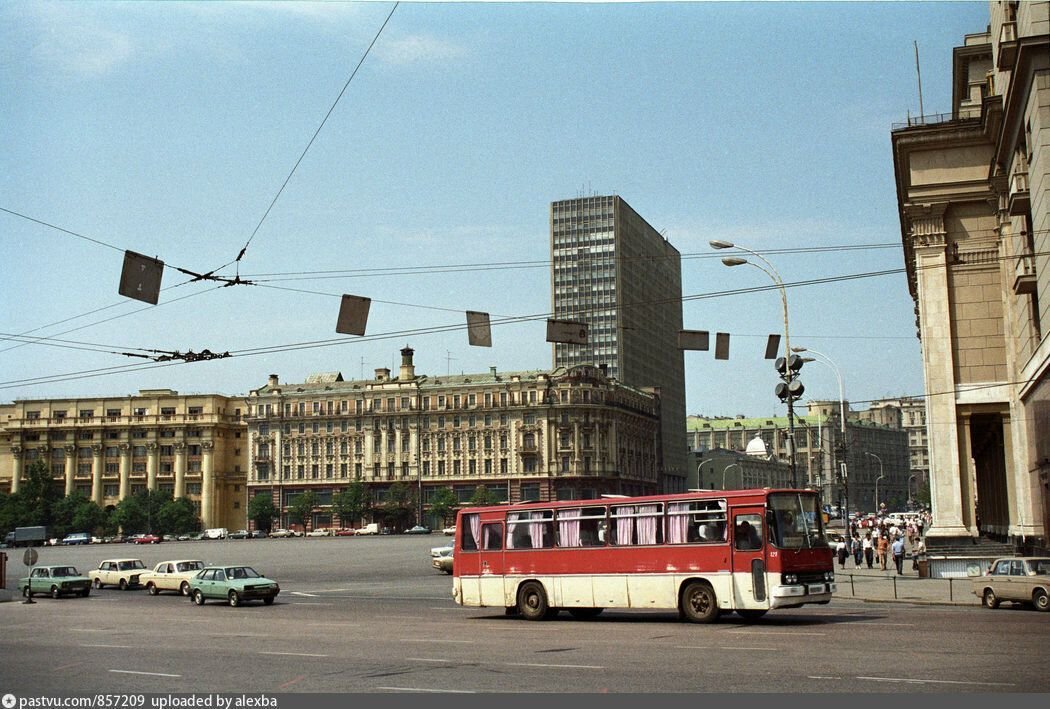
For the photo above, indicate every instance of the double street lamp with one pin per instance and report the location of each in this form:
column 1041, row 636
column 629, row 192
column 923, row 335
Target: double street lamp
column 793, row 388
column 824, row 359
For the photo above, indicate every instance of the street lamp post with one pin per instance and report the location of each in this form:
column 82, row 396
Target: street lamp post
column 824, row 359
column 788, row 373
column 700, row 474
column 911, row 500
column 731, row 465
column 881, row 476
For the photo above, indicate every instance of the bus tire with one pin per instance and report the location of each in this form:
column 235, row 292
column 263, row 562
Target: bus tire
column 751, row 614
column 532, row 601
column 585, row 613
column 699, row 603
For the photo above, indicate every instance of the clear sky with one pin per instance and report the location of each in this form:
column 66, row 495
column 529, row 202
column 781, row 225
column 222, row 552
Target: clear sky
column 169, row 129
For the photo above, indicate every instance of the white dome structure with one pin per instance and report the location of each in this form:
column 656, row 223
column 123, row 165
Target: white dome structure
column 757, row 447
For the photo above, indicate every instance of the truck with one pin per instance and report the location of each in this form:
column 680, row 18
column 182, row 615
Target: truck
column 370, row 528
column 26, row 537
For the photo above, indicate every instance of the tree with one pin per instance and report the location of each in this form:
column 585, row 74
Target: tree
column 89, row 517
column 482, row 497
column 399, row 505
column 443, row 504
column 37, row 494
column 352, row 503
column 262, row 511
column 64, row 513
column 302, row 508
column 176, row 516
column 130, row 515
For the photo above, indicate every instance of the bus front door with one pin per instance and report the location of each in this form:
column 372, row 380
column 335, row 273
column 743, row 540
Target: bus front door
column 749, row 558
column 490, row 578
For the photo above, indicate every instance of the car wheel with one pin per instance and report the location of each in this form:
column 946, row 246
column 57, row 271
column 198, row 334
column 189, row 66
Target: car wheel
column 86, row 592
column 699, row 603
column 123, row 584
column 750, row 614
column 184, row 589
column 235, row 600
column 198, row 597
column 1041, row 600
column 97, row 584
column 268, row 600
column 54, row 592
column 152, row 588
column 990, row 601
column 532, row 601
column 26, row 592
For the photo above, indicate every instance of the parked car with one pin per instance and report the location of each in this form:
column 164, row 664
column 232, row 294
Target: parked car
column 370, row 528
column 77, row 538
column 215, row 533
column 257, row 534
column 418, row 529
column 58, row 580
column 443, row 560
column 234, row 584
column 122, row 573
column 239, row 534
column 440, row 551
column 449, row 531
column 282, row 533
column 344, row 532
column 320, row 532
column 147, row 539
column 171, row 576
column 1017, row 579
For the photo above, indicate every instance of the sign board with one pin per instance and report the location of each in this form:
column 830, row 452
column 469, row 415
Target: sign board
column 479, row 332
column 694, row 340
column 140, row 278
column 722, row 345
column 353, row 315
column 772, row 346
column 567, row 331
column 30, row 556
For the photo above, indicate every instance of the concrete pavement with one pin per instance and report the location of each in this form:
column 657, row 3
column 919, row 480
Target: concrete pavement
column 881, row 586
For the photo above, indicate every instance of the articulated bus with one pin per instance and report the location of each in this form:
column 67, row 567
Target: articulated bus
column 699, row 553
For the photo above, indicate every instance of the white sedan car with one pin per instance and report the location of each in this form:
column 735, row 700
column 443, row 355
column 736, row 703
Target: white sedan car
column 122, row 573
column 172, row 576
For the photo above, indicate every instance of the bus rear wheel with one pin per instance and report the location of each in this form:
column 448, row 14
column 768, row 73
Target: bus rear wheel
column 532, row 601
column 699, row 603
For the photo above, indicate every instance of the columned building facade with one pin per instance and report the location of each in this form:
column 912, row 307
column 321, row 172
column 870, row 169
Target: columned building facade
column 973, row 190
column 561, row 434
column 112, row 447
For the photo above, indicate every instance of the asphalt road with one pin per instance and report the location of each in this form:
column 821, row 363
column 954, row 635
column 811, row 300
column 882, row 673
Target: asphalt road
column 369, row 615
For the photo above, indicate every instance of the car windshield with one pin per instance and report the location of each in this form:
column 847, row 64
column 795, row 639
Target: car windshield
column 241, row 572
column 795, row 521
column 128, row 565
column 64, row 571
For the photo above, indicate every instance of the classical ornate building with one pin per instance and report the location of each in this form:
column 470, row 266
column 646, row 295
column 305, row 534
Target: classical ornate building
column 973, row 190
column 537, row 435
column 109, row 448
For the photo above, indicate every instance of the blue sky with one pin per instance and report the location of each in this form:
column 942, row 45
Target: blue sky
column 169, row 128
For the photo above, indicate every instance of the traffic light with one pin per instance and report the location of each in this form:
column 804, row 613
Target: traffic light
column 791, row 388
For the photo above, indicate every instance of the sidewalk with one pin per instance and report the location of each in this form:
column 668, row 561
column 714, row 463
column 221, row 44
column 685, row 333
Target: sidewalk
column 877, row 585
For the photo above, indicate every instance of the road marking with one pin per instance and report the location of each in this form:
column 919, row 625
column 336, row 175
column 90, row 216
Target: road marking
column 294, row 654
column 428, row 659
column 820, row 677
column 565, row 667
column 151, row 674
column 301, row 593
column 435, row 640
column 937, row 681
column 119, row 647
column 290, row 682
column 428, row 690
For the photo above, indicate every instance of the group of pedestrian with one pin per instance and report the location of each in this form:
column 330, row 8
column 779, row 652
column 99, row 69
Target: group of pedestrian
column 883, row 544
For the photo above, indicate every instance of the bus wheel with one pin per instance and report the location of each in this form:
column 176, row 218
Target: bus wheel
column 699, row 604
column 585, row 613
column 751, row 614
column 532, row 601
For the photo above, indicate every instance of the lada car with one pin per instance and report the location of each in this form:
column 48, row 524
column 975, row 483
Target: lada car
column 122, row 573
column 59, row 580
column 1017, row 579
column 234, row 584
column 171, row 576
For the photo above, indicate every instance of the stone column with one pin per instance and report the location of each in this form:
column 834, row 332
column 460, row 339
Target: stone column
column 71, row 466
column 125, row 470
column 207, row 483
column 152, row 463
column 180, row 469
column 16, row 468
column 96, row 474
column 935, row 329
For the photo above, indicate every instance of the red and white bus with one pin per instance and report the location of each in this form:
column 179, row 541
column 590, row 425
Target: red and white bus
column 700, row 553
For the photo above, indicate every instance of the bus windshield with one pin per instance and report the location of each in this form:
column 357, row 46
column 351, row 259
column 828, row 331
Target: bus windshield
column 795, row 521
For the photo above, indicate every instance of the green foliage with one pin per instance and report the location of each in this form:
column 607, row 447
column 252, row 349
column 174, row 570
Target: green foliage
column 444, row 504
column 399, row 507
column 302, row 507
column 176, row 517
column 262, row 511
column 482, row 497
column 352, row 503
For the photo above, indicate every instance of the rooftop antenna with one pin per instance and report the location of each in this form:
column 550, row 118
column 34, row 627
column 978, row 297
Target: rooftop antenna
column 918, row 73
column 448, row 363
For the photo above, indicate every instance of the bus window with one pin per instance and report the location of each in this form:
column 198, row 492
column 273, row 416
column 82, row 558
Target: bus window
column 748, row 532
column 492, row 536
column 471, row 528
column 636, row 524
column 696, row 521
column 530, row 530
column 795, row 522
column 582, row 527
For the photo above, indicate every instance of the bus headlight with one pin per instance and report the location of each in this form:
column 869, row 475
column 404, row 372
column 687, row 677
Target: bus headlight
column 829, row 575
column 790, row 579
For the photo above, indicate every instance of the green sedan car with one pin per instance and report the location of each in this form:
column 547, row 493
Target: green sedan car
column 235, row 584
column 55, row 581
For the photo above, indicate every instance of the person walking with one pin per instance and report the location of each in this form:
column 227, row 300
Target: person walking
column 869, row 549
column 858, row 551
column 898, row 554
column 881, row 551
column 840, row 550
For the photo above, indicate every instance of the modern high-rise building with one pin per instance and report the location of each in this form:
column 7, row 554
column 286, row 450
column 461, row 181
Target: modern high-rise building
column 615, row 272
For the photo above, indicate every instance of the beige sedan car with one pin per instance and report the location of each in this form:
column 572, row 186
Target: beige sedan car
column 122, row 573
column 172, row 576
column 1017, row 579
